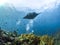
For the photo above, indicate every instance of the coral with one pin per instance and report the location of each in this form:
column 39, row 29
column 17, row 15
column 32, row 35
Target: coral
column 12, row 38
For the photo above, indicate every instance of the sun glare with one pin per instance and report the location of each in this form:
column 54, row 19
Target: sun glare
column 2, row 2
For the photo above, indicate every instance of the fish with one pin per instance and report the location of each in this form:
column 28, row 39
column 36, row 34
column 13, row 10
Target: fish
column 31, row 15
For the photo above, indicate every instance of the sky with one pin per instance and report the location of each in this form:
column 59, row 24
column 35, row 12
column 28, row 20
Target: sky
column 37, row 5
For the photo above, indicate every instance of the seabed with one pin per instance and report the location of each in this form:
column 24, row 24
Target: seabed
column 12, row 38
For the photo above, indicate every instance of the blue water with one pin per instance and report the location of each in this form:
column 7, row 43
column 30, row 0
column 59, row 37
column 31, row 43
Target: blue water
column 47, row 22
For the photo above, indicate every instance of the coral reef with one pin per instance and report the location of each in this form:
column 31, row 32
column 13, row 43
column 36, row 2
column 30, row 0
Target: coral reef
column 12, row 38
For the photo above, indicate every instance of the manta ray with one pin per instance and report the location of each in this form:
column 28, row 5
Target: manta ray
column 31, row 15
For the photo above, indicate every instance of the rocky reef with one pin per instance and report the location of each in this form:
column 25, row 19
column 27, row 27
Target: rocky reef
column 12, row 38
